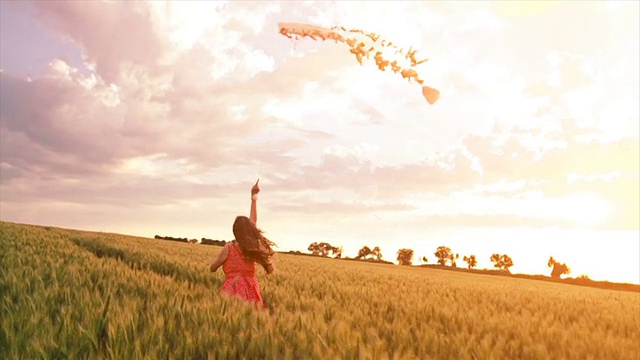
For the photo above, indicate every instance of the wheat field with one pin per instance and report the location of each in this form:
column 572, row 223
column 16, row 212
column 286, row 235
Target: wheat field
column 76, row 294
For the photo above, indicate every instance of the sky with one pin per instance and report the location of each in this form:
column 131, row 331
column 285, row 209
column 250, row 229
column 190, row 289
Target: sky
column 150, row 117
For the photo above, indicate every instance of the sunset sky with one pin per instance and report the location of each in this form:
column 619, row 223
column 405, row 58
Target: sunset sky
column 148, row 118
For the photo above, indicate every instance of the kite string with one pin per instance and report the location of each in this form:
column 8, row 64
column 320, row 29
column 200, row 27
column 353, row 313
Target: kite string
column 266, row 145
column 294, row 42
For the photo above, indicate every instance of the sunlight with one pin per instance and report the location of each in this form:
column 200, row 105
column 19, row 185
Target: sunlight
column 579, row 208
column 185, row 22
column 587, row 208
column 144, row 165
column 156, row 165
column 513, row 9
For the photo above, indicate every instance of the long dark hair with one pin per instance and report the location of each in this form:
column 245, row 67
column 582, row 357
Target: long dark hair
column 253, row 244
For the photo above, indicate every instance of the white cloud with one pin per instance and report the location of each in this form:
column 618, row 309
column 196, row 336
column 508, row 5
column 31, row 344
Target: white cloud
column 178, row 103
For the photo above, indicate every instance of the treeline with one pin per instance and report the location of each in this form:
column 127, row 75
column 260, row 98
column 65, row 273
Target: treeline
column 203, row 241
column 206, row 241
column 324, row 249
column 300, row 253
column 501, row 262
column 170, row 238
column 445, row 258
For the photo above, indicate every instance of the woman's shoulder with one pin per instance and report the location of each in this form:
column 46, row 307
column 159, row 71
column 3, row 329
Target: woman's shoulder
column 231, row 245
column 228, row 246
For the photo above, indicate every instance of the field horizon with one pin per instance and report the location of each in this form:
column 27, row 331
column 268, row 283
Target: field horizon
column 605, row 284
column 83, row 294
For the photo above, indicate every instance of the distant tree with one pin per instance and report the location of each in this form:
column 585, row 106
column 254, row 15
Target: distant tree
column 337, row 252
column 507, row 262
column 328, row 248
column 443, row 254
column 471, row 261
column 314, row 248
column 323, row 249
column 453, row 260
column 502, row 262
column 376, row 253
column 405, row 256
column 559, row 269
column 206, row 241
column 363, row 253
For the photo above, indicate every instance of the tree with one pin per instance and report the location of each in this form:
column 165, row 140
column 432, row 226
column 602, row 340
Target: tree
column 443, row 254
column 471, row 261
column 323, row 249
column 502, row 262
column 337, row 251
column 405, row 256
column 363, row 253
column 507, row 262
column 453, row 260
column 314, row 248
column 376, row 253
column 559, row 269
column 326, row 248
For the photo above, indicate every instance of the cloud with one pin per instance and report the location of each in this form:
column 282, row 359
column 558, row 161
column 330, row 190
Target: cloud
column 335, row 208
column 114, row 35
column 157, row 106
column 58, row 120
column 562, row 163
column 497, row 221
column 189, row 113
column 175, row 103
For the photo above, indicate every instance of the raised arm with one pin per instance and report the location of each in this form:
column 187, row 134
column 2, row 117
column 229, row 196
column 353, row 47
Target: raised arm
column 253, row 214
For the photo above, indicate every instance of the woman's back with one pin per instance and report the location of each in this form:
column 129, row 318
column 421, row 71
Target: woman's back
column 236, row 264
column 240, row 275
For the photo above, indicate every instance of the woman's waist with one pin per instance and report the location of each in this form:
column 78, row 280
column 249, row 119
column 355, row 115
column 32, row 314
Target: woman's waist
column 238, row 274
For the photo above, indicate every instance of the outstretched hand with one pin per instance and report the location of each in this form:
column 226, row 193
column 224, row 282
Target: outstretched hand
column 256, row 188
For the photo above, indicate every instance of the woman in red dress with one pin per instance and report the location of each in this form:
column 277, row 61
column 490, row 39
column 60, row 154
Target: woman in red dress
column 238, row 258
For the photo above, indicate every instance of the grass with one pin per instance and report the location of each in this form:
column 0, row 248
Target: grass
column 75, row 294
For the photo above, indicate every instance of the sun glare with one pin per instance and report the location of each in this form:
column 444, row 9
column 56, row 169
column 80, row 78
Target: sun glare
column 512, row 9
column 587, row 208
column 185, row 22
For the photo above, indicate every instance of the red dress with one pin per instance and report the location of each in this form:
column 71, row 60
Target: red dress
column 240, row 275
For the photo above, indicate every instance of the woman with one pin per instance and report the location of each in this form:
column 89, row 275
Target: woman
column 238, row 258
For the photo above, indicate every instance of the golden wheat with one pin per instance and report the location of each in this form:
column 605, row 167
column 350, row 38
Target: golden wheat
column 73, row 294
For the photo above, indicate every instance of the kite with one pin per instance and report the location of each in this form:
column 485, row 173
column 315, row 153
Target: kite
column 367, row 45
